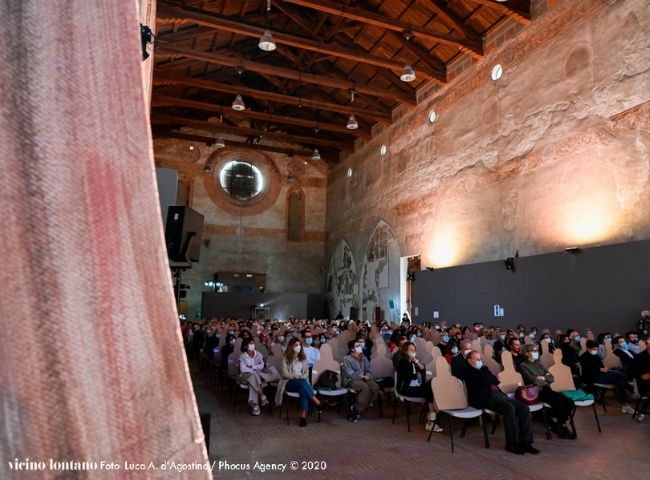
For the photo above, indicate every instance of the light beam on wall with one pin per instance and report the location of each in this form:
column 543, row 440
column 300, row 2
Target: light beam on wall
column 444, row 249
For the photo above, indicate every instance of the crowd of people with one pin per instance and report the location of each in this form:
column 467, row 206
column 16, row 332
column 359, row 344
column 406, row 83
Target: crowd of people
column 299, row 342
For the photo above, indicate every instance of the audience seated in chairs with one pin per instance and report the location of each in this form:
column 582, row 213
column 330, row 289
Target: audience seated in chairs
column 534, row 373
column 411, row 376
column 295, row 374
column 357, row 375
column 483, row 392
column 253, row 372
column 594, row 371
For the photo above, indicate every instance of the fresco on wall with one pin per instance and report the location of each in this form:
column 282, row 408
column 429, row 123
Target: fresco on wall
column 342, row 281
column 381, row 274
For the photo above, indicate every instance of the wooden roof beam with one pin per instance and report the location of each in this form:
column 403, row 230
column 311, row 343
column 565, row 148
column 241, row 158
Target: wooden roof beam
column 206, row 19
column 467, row 45
column 446, row 15
column 518, row 10
column 302, row 77
column 164, row 100
column 162, row 77
column 159, row 119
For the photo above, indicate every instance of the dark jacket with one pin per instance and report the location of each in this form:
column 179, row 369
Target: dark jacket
column 479, row 386
column 591, row 365
column 626, row 360
column 405, row 374
column 458, row 366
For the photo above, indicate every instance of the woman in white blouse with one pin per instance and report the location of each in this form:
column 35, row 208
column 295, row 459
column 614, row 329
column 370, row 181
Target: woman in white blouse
column 295, row 373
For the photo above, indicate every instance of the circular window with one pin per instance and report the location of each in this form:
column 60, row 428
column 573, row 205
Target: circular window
column 497, row 72
column 241, row 180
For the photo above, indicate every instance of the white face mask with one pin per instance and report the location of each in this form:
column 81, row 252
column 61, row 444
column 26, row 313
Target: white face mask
column 296, row 348
column 412, row 354
column 251, row 347
column 281, row 338
column 466, row 352
column 593, row 352
column 358, row 349
column 454, row 350
column 535, row 355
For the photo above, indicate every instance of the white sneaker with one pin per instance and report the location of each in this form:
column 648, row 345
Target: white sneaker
column 432, row 425
column 627, row 409
column 264, row 401
column 640, row 418
column 255, row 410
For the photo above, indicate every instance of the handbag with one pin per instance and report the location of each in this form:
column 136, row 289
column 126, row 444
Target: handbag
column 528, row 394
column 327, row 380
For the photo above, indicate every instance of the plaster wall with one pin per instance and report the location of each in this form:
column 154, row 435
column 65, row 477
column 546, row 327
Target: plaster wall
column 554, row 154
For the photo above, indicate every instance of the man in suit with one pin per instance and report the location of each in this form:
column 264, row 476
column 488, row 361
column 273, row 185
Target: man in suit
column 483, row 392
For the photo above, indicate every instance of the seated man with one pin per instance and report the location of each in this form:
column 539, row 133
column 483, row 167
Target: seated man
column 594, row 371
column 570, row 346
column 311, row 352
column 640, row 369
column 623, row 350
column 632, row 340
column 459, row 362
column 482, row 392
column 515, row 349
column 357, row 375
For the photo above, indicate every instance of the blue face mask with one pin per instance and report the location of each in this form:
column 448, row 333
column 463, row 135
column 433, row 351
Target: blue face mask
column 623, row 346
column 535, row 355
column 445, row 339
column 577, row 339
column 478, row 365
column 309, row 340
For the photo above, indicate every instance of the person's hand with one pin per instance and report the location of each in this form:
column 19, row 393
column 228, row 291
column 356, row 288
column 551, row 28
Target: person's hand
column 541, row 377
column 645, row 376
column 604, row 369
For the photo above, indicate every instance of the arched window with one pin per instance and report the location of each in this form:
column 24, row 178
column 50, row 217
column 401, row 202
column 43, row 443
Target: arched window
column 295, row 215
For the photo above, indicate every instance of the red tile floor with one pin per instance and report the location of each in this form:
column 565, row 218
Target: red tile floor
column 376, row 449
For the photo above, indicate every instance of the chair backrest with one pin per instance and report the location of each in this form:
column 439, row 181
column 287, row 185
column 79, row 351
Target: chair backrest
column 562, row 374
column 381, row 367
column 583, row 345
column 510, row 379
column 428, row 334
column 546, row 358
column 431, row 367
column 436, row 353
column 323, row 365
column 527, row 340
column 490, row 362
column 642, row 345
column 435, row 337
column 374, row 332
column 442, row 367
column 448, row 392
column 420, row 344
column 326, row 352
column 233, row 364
column 611, row 360
column 476, row 345
column 380, row 348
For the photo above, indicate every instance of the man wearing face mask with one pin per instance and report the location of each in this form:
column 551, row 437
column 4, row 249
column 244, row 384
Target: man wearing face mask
column 499, row 346
column 483, row 392
column 311, row 352
column 570, row 346
column 357, row 375
column 459, row 362
column 632, row 340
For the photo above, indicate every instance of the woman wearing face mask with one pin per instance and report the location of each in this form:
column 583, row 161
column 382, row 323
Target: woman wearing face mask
column 451, row 350
column 251, row 365
column 444, row 340
column 534, row 373
column 357, row 375
column 410, row 381
column 295, row 373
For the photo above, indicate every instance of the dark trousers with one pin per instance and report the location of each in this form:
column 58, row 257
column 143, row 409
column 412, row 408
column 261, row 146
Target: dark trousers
column 561, row 405
column 616, row 378
column 421, row 391
column 301, row 386
column 516, row 417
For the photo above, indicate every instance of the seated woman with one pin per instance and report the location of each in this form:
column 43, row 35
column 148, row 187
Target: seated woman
column 534, row 373
column 410, row 381
column 451, row 350
column 357, row 375
column 295, row 374
column 253, row 372
column 593, row 371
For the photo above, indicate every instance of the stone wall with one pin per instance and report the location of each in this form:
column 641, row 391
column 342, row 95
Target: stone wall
column 554, row 154
column 240, row 237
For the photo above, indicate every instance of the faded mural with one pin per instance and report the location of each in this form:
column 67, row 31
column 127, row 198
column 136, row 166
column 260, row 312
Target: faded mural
column 381, row 275
column 342, row 281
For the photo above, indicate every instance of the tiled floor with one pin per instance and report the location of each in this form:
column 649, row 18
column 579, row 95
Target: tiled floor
column 376, row 449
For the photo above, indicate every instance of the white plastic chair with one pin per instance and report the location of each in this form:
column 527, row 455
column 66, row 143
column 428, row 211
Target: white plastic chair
column 407, row 402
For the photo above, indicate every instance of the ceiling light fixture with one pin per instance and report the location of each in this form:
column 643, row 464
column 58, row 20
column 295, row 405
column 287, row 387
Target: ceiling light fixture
column 408, row 75
column 315, row 154
column 238, row 104
column 207, row 168
column 219, row 143
column 352, row 123
column 266, row 42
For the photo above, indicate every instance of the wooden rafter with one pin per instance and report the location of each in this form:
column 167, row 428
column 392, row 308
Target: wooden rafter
column 440, row 8
column 162, row 77
column 305, row 77
column 159, row 119
column 467, row 45
column 206, row 19
column 165, row 100
column 519, row 10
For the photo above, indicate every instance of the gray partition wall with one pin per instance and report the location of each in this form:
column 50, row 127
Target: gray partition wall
column 599, row 288
column 281, row 305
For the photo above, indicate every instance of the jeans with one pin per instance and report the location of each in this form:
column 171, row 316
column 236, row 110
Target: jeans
column 301, row 386
column 516, row 417
column 616, row 378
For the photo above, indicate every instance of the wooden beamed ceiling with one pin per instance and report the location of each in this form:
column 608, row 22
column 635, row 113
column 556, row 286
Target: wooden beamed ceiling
column 333, row 59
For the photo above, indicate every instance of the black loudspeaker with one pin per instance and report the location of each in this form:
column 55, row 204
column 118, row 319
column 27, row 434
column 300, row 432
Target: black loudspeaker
column 183, row 232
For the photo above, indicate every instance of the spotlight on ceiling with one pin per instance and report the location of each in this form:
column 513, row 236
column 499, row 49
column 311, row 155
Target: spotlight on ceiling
column 266, row 42
column 219, row 143
column 408, row 75
column 238, row 104
column 510, row 264
column 315, row 154
column 352, row 123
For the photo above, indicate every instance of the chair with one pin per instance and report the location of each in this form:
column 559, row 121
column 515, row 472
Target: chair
column 489, row 361
column 510, row 380
column 583, row 345
column 546, row 357
column 327, row 362
column 611, row 361
column 382, row 368
column 563, row 382
column 407, row 402
column 641, row 402
column 450, row 397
